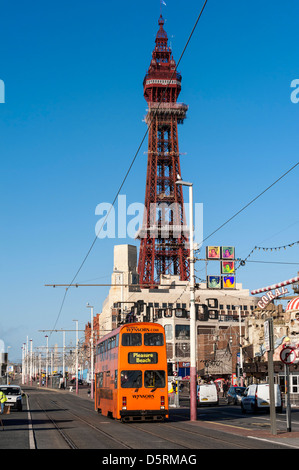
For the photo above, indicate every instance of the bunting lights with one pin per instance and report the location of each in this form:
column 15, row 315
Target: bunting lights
column 273, row 248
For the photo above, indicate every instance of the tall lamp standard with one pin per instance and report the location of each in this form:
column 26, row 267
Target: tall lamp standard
column 193, row 404
column 31, row 369
column 91, row 352
column 47, row 355
column 77, row 340
column 7, row 365
column 23, row 363
column 241, row 355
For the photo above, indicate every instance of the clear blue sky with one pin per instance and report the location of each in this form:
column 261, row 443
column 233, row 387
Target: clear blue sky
column 72, row 122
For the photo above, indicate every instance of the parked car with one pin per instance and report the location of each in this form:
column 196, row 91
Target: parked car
column 257, row 397
column 207, row 394
column 14, row 396
column 235, row 394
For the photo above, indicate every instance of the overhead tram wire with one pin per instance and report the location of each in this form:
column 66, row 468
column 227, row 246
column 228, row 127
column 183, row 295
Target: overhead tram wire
column 130, row 167
column 249, row 203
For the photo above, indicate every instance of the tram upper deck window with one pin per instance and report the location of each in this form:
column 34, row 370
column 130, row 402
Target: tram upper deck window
column 131, row 378
column 153, row 339
column 131, row 339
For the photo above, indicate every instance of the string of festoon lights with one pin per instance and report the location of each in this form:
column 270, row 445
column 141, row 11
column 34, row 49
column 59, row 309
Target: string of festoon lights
column 264, row 248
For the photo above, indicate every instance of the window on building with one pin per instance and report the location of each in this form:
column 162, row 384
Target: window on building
column 182, row 331
column 169, row 350
column 294, row 384
column 182, row 350
column 168, row 332
column 168, row 312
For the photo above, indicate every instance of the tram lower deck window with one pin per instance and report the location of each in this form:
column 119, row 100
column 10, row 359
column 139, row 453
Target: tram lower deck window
column 131, row 378
column 154, row 378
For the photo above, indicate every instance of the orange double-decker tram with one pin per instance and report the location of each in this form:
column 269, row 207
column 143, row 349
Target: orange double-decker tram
column 131, row 373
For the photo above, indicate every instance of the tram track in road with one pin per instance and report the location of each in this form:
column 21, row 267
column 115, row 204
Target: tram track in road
column 65, row 435
column 175, row 441
column 73, row 422
column 225, row 440
column 96, row 428
column 182, row 431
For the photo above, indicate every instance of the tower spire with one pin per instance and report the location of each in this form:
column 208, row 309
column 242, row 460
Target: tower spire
column 161, row 3
column 164, row 238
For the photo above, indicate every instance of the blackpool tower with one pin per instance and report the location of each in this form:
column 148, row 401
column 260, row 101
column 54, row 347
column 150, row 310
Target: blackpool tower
column 164, row 238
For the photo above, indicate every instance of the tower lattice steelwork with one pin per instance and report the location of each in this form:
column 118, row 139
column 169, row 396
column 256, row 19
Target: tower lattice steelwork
column 164, row 237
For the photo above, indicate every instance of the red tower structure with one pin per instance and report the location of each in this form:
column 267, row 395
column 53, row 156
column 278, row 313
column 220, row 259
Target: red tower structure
column 164, row 237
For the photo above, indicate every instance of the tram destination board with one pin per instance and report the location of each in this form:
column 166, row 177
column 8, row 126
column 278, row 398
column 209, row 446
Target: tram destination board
column 142, row 358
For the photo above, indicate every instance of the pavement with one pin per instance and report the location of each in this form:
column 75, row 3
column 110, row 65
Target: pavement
column 288, row 439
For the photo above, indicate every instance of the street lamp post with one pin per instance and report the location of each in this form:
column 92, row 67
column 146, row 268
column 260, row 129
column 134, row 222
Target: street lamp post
column 193, row 404
column 77, row 340
column 27, row 362
column 47, row 354
column 241, row 355
column 91, row 353
column 63, row 361
column 30, row 368
column 23, row 364
column 7, row 365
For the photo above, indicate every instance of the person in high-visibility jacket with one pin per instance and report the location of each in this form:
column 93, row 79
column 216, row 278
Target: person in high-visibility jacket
column 3, row 400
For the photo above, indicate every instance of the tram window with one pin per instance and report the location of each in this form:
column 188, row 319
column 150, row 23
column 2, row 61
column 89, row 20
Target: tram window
column 100, row 380
column 131, row 339
column 153, row 339
column 106, row 379
column 154, row 378
column 111, row 343
column 131, row 378
column 115, row 378
column 100, row 351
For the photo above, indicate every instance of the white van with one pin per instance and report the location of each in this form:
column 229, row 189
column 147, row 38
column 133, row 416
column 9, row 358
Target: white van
column 257, row 397
column 14, row 396
column 207, row 394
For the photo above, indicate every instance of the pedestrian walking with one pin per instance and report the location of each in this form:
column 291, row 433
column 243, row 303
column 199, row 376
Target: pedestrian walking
column 3, row 400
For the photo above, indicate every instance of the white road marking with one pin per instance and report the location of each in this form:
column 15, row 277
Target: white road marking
column 31, row 435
